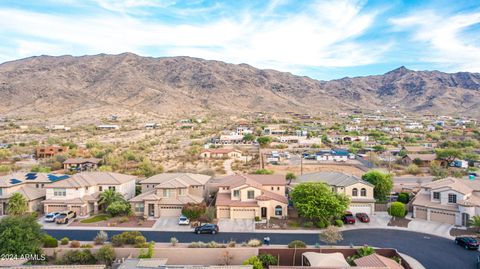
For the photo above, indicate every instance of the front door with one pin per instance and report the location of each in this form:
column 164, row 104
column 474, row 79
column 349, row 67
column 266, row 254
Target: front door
column 264, row 212
column 151, row 210
column 465, row 219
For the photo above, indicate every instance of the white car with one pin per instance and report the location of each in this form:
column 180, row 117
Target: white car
column 183, row 220
column 50, row 217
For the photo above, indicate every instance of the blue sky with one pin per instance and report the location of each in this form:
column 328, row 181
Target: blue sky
column 321, row 39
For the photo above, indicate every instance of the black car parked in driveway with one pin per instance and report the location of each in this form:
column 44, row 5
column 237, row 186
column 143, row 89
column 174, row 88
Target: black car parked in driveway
column 207, row 229
column 467, row 242
column 348, row 218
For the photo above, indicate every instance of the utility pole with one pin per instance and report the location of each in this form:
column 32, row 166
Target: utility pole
column 301, row 164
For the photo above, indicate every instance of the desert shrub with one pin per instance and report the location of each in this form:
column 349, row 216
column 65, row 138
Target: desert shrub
column 397, row 209
column 254, row 261
column 231, row 244
column 119, row 208
column 254, row 242
column 50, row 242
column 297, row 244
column 123, row 219
column 198, row 244
column 413, row 169
column 173, row 241
column 64, row 241
column 267, row 260
column 403, row 197
column 338, row 223
column 78, row 257
column 263, row 172
column 86, row 246
column 101, row 238
column 74, row 244
column 194, row 211
column 321, row 224
column 127, row 238
column 106, row 254
column 147, row 254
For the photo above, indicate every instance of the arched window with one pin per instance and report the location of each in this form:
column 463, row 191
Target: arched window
column 355, row 192
column 278, row 210
column 363, row 192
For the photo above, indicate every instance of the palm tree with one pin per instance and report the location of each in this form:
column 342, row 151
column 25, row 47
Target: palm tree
column 290, row 176
column 109, row 196
column 17, row 205
column 475, row 222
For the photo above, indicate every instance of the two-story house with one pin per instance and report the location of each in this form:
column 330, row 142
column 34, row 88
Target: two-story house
column 359, row 191
column 449, row 200
column 81, row 192
column 248, row 196
column 30, row 185
column 164, row 195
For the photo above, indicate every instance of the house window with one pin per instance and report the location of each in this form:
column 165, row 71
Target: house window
column 111, row 188
column 354, row 192
column 436, row 195
column 278, row 210
column 278, row 188
column 452, row 198
column 363, row 192
column 181, row 191
column 60, row 192
column 236, row 193
column 272, row 188
column 139, row 208
column 166, row 193
column 251, row 194
column 1, row 191
column 37, row 185
column 100, row 188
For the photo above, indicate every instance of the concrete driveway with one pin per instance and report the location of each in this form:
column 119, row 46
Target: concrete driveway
column 236, row 225
column 171, row 224
column 430, row 227
column 378, row 220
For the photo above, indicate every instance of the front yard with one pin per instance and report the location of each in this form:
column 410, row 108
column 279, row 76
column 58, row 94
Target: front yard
column 107, row 221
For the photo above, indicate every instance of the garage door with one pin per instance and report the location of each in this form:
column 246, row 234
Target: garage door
column 54, row 208
column 442, row 216
column 243, row 213
column 223, row 212
column 170, row 211
column 360, row 208
column 420, row 213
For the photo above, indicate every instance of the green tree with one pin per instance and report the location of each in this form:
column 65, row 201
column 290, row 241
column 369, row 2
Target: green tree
column 248, row 137
column 475, row 222
column 78, row 257
column 5, row 154
column 17, row 205
column 315, row 200
column 437, row 170
column 382, row 183
column 289, row 177
column 267, row 260
column 449, row 154
column 119, row 208
column 193, row 211
column 263, row 172
column 264, row 141
column 254, row 261
column 109, row 196
column 397, row 209
column 20, row 235
column 106, row 254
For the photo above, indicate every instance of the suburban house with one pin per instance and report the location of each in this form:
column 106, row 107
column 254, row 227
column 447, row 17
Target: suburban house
column 359, row 191
column 81, row 164
column 245, row 196
column 229, row 139
column 164, row 195
column 449, row 200
column 81, row 192
column 30, row 185
column 108, row 127
column 49, row 151
column 337, row 155
column 221, row 153
column 419, row 159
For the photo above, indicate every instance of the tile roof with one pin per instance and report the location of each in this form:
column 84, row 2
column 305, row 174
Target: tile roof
column 178, row 200
column 82, row 160
column 87, row 179
column 332, row 179
column 258, row 181
column 177, row 180
column 18, row 178
column 423, row 199
column 464, row 186
column 422, row 157
column 377, row 261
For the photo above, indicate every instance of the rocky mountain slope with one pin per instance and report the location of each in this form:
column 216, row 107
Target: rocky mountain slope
column 46, row 86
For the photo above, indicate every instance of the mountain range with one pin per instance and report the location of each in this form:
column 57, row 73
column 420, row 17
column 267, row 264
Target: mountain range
column 51, row 85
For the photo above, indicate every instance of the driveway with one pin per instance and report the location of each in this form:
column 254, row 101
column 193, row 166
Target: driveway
column 430, row 227
column 171, row 224
column 227, row 166
column 236, row 225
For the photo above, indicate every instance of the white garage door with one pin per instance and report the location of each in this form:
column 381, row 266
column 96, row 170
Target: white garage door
column 360, row 208
column 243, row 213
column 170, row 211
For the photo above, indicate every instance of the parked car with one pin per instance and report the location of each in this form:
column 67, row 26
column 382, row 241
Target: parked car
column 207, row 228
column 183, row 220
column 348, row 218
column 362, row 217
column 65, row 216
column 467, row 242
column 50, row 217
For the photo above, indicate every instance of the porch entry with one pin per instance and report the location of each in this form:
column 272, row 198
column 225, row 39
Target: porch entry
column 264, row 212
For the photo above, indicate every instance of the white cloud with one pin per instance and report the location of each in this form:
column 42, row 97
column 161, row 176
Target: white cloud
column 323, row 35
column 445, row 37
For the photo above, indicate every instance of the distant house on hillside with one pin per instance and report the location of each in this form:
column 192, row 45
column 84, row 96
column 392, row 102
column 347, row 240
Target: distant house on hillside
column 221, row 153
column 81, row 164
column 419, row 159
column 108, row 127
column 49, row 151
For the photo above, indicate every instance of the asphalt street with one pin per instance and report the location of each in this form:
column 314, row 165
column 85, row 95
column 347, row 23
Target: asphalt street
column 432, row 251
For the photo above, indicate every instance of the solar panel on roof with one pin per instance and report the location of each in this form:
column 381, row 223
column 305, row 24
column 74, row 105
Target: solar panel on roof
column 15, row 181
column 54, row 178
column 31, row 176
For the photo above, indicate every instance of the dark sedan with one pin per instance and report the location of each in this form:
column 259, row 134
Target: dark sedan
column 207, row 229
column 467, row 242
column 362, row 217
column 348, row 218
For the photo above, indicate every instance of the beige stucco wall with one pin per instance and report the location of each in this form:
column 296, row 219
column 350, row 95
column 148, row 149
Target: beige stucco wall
column 359, row 186
column 275, row 189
